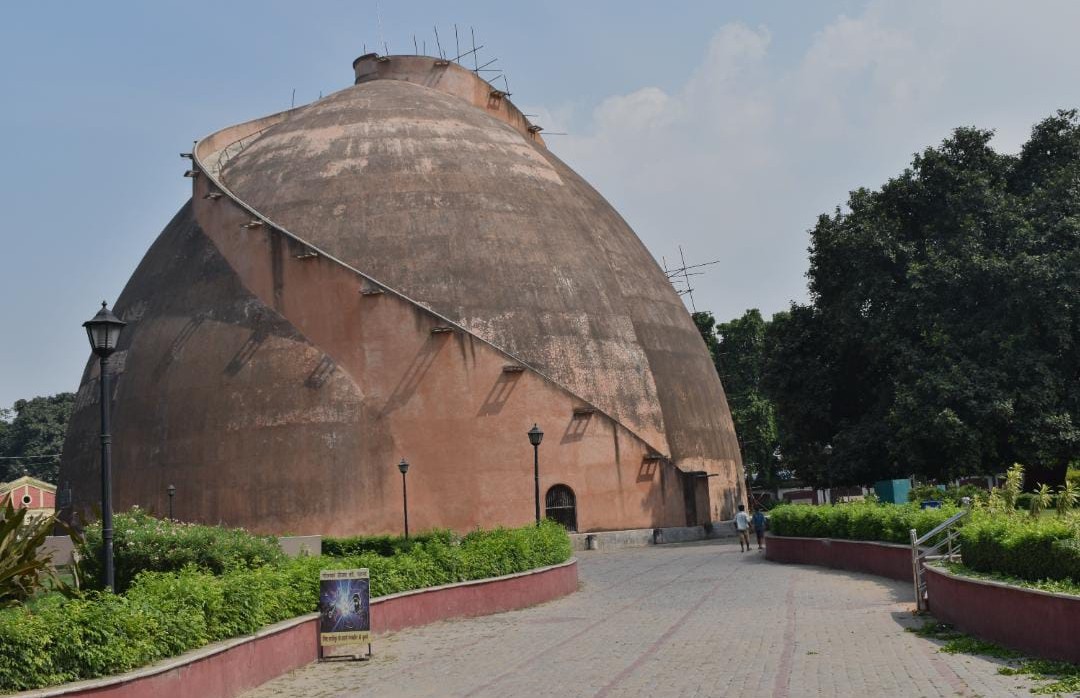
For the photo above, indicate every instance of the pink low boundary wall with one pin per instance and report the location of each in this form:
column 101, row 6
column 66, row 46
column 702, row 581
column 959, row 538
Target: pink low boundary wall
column 885, row 559
column 226, row 669
column 1039, row 622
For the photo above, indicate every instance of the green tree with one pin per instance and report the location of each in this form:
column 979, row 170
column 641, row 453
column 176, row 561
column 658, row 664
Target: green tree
column 738, row 351
column 31, row 439
column 942, row 333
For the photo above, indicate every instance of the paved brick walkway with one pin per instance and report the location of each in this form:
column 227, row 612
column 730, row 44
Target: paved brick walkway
column 686, row 620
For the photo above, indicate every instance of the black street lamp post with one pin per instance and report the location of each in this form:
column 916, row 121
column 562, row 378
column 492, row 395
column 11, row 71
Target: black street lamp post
column 171, row 490
column 536, row 435
column 104, row 333
column 403, row 466
column 828, row 470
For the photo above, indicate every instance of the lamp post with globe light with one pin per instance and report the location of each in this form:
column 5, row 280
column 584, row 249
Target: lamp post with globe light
column 828, row 451
column 536, row 435
column 403, row 466
column 103, row 331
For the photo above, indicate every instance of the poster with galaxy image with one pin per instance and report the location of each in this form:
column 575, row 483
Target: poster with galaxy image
column 344, row 608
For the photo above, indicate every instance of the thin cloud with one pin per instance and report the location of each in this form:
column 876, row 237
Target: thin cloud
column 737, row 162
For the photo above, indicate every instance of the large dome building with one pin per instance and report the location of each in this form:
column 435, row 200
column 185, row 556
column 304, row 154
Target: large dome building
column 403, row 269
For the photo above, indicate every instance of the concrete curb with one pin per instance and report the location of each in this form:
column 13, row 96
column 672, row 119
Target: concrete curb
column 641, row 537
column 891, row 560
column 1042, row 623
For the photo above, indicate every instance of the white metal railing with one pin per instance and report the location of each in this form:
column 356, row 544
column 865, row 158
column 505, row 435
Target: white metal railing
column 946, row 548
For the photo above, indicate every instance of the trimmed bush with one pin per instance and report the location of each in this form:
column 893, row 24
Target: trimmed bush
column 888, row 523
column 55, row 640
column 386, row 546
column 1020, row 546
column 142, row 543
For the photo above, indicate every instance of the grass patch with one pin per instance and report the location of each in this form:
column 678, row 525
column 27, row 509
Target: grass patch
column 956, row 642
column 1061, row 678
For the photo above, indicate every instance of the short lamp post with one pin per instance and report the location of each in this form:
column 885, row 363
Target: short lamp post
column 104, row 333
column 403, row 466
column 828, row 469
column 171, row 490
column 536, row 435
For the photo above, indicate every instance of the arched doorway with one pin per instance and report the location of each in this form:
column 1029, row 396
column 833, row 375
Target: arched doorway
column 561, row 505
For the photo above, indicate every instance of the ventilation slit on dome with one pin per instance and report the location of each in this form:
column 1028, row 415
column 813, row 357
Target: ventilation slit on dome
column 513, row 368
column 584, row 411
column 307, row 253
column 213, row 195
column 441, row 329
column 253, row 223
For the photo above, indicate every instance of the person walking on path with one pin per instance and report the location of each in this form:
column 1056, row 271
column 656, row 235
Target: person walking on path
column 742, row 527
column 758, row 520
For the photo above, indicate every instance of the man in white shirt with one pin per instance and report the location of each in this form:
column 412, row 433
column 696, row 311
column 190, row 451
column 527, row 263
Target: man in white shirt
column 742, row 527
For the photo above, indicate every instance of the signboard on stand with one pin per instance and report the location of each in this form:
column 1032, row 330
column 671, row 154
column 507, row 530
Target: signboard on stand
column 344, row 613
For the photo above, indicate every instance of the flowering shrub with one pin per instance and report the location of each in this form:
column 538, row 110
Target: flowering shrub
column 143, row 543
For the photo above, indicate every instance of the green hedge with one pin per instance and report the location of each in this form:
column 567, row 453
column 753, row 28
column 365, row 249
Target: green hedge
column 55, row 640
column 142, row 543
column 386, row 546
column 1021, row 546
column 889, row 523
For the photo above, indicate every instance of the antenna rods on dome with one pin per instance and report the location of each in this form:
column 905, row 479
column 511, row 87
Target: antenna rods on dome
column 439, row 44
column 458, row 59
column 457, row 45
column 293, row 104
column 682, row 274
column 416, row 49
column 475, row 55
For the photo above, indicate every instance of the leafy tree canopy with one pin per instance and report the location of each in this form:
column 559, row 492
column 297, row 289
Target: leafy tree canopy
column 943, row 328
column 738, row 351
column 31, row 434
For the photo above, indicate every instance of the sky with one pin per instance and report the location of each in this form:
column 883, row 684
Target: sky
column 725, row 128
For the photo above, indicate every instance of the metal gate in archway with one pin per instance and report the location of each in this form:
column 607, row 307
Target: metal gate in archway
column 560, row 505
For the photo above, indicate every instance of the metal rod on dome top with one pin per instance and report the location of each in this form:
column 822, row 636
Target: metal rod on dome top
column 475, row 60
column 457, row 59
column 457, row 44
column 438, row 43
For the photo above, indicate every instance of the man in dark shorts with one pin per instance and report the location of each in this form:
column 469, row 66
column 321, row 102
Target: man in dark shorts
column 758, row 521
